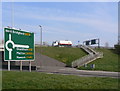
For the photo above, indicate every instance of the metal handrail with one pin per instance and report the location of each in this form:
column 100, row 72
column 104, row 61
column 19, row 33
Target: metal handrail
column 88, row 58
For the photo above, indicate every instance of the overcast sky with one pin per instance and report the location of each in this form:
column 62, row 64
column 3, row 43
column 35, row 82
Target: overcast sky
column 78, row 21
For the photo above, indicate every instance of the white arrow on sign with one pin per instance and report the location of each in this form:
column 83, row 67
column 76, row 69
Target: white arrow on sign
column 14, row 45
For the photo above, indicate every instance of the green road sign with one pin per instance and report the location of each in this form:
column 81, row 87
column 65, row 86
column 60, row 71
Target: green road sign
column 19, row 45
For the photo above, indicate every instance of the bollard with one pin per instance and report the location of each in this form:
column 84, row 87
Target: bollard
column 85, row 65
column 92, row 65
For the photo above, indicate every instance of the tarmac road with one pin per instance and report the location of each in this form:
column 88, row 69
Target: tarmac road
column 52, row 66
column 0, row 60
column 73, row 71
column 40, row 60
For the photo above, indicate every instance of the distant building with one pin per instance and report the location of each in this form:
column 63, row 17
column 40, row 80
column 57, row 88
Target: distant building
column 62, row 43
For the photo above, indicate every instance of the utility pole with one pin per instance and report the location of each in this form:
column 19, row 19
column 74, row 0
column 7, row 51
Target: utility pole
column 12, row 13
column 40, row 38
column 40, row 35
column 118, row 38
column 12, row 23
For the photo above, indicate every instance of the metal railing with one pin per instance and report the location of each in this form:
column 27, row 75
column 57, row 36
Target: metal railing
column 93, row 55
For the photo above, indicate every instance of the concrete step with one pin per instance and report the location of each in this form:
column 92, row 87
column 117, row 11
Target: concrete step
column 93, row 55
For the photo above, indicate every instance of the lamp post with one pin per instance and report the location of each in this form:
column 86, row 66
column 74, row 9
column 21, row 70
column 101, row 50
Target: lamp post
column 40, row 35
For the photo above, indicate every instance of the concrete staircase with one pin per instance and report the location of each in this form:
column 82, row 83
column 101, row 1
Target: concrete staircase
column 92, row 55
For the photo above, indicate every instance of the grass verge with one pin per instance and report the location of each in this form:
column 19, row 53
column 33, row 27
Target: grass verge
column 108, row 63
column 64, row 54
column 36, row 80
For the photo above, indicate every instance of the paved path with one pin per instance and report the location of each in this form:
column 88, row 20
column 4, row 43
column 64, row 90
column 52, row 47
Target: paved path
column 42, row 60
column 73, row 71
column 47, row 61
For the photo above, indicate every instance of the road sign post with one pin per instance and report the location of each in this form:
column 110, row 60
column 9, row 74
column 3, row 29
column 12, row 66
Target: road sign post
column 8, row 65
column 19, row 45
column 20, row 65
column 30, row 66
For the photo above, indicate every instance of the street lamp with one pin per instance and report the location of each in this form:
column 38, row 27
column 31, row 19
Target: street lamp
column 40, row 35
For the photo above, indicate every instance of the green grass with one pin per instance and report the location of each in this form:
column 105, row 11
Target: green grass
column 0, row 80
column 36, row 80
column 108, row 63
column 64, row 54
